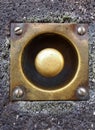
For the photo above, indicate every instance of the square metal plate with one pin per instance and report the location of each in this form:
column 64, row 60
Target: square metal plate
column 27, row 39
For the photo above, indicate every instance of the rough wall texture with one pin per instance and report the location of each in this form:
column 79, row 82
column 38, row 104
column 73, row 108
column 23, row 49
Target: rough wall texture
column 49, row 115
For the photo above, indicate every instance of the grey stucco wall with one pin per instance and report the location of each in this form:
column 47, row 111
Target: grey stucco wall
column 50, row 115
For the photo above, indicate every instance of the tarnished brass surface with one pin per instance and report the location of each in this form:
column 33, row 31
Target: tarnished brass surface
column 49, row 62
column 42, row 79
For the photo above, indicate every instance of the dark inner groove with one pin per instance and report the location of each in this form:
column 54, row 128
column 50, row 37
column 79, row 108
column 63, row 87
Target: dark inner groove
column 50, row 40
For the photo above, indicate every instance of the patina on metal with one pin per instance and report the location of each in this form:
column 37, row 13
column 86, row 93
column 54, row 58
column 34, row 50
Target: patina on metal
column 49, row 60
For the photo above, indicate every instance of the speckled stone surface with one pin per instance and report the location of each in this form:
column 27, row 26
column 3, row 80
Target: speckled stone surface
column 50, row 115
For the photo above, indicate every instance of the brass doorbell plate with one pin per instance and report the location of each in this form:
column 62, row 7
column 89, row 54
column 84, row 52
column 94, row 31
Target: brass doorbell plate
column 49, row 61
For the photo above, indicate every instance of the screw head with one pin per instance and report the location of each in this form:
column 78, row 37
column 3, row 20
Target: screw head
column 82, row 93
column 81, row 30
column 18, row 30
column 18, row 92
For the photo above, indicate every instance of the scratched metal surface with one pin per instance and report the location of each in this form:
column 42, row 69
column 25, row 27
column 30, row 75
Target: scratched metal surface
column 51, row 115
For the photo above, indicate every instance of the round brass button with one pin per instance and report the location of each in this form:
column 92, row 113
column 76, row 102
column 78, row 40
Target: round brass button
column 49, row 62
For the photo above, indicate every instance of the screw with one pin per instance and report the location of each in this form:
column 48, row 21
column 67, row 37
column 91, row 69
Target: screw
column 18, row 30
column 81, row 30
column 18, row 92
column 82, row 93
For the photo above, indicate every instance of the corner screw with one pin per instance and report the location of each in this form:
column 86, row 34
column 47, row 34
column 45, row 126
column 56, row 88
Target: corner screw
column 18, row 92
column 82, row 93
column 81, row 30
column 18, row 30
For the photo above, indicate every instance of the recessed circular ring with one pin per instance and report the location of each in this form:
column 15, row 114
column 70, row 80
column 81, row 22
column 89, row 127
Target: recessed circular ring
column 68, row 60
